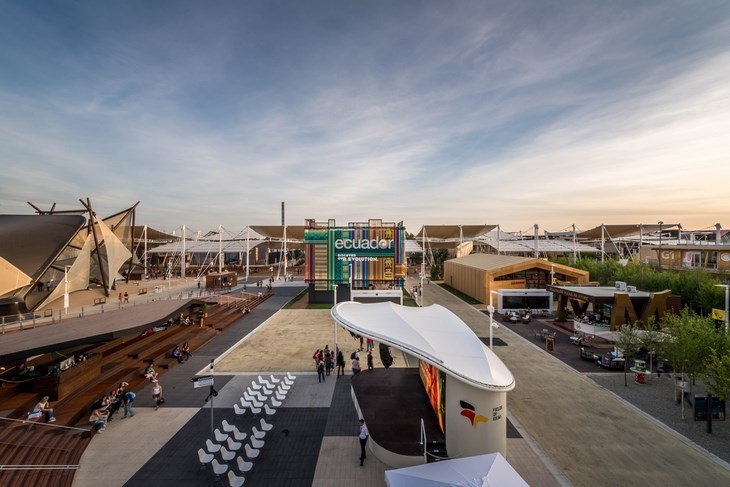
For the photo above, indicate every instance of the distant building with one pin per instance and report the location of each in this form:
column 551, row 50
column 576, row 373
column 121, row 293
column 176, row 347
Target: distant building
column 364, row 260
column 483, row 275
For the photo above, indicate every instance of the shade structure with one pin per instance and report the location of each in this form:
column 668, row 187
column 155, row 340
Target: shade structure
column 432, row 334
column 490, row 470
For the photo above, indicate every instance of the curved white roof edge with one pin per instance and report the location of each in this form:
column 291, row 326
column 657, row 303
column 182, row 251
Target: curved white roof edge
column 433, row 334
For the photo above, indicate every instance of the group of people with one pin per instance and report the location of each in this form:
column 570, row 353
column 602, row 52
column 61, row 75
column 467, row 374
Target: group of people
column 324, row 362
column 181, row 354
column 103, row 410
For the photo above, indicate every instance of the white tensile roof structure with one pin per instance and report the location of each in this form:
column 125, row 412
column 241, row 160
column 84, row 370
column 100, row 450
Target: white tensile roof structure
column 433, row 334
column 491, row 470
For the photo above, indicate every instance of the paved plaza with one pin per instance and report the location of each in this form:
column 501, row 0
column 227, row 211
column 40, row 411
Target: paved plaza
column 569, row 428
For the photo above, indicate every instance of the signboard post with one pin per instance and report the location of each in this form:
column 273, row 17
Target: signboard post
column 203, row 381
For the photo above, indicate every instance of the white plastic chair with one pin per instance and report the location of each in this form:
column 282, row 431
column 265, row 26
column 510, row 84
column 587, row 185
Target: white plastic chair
column 205, row 457
column 220, row 437
column 218, row 469
column 235, row 480
column 280, row 396
column 226, row 455
column 257, row 434
column 251, row 452
column 238, row 435
column 264, row 382
column 274, row 380
column 240, row 411
column 249, row 394
column 228, row 427
column 233, row 445
column 248, row 401
column 258, row 444
column 269, row 411
column 267, row 390
column 290, row 376
column 284, row 387
column 266, row 426
column 243, row 465
column 255, row 410
column 255, row 386
column 274, row 402
column 212, row 447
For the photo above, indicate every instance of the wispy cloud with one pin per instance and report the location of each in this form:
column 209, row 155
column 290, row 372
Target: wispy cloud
column 472, row 113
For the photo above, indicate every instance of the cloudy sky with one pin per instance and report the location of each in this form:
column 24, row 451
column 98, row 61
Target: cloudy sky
column 513, row 113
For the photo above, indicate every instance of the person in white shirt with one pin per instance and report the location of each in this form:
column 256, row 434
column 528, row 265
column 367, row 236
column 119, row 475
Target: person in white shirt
column 363, row 436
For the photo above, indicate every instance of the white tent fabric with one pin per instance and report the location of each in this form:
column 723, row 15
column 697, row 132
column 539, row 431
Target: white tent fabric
column 77, row 275
column 11, row 278
column 490, row 470
column 116, row 252
column 433, row 334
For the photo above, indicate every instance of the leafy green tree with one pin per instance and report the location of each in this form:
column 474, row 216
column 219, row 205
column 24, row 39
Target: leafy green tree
column 627, row 341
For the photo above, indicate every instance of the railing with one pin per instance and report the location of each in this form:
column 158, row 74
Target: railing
column 423, row 441
column 31, row 422
column 33, row 320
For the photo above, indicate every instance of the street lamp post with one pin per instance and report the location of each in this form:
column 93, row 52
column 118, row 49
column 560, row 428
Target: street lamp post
column 490, row 309
column 65, row 289
column 727, row 303
column 660, row 244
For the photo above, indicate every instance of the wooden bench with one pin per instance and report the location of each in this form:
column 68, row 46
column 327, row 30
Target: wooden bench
column 99, row 301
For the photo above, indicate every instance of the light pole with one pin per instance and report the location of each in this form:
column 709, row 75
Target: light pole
column 65, row 289
column 727, row 303
column 660, row 244
column 490, row 309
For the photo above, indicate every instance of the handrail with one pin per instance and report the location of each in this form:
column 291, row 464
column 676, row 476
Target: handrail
column 48, row 425
column 40, row 467
column 423, row 441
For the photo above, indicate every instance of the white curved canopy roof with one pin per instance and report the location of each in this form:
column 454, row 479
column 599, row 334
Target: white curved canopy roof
column 433, row 334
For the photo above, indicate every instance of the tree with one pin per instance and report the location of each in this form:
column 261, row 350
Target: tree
column 716, row 376
column 628, row 342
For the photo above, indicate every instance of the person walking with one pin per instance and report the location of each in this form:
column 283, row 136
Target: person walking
column 320, row 371
column 355, row 366
column 157, row 395
column 363, row 436
column 340, row 363
column 126, row 297
column 129, row 397
column 370, row 360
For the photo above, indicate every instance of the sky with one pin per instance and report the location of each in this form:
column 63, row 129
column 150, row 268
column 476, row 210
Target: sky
column 555, row 113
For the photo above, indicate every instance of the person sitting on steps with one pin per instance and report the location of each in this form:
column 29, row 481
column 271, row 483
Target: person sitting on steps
column 150, row 373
